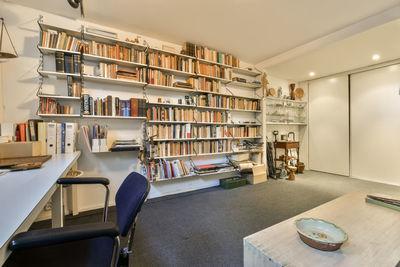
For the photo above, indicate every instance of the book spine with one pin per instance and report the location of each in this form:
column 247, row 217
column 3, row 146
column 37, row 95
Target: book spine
column 76, row 63
column 85, row 103
column 68, row 63
column 70, row 82
column 63, row 137
column 59, row 56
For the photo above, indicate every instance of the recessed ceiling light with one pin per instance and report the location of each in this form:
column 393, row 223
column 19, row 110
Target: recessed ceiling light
column 311, row 73
column 376, row 57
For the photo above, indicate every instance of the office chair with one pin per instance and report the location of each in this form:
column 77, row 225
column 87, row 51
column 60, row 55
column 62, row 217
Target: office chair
column 94, row 244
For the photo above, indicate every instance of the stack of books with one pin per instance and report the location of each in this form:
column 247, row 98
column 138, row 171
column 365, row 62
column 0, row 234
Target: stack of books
column 51, row 106
column 175, row 131
column 159, row 78
column 213, row 168
column 212, row 116
column 164, row 169
column 124, row 145
column 213, row 71
column 183, row 85
column 171, row 62
column 67, row 63
column 115, row 51
column 113, row 106
column 170, row 114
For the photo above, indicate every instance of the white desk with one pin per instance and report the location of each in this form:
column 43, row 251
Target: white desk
column 24, row 194
column 374, row 237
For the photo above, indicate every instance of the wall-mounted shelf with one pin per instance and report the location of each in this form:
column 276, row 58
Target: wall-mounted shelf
column 112, row 117
column 153, row 49
column 109, row 40
column 61, row 97
column 229, row 95
column 170, row 122
column 222, row 80
column 52, row 51
column 245, row 72
column 285, row 100
column 59, row 115
column 46, row 27
column 169, row 88
column 89, row 57
column 170, row 105
column 213, row 63
column 248, row 85
column 245, row 110
column 171, row 71
column 197, row 175
column 112, row 81
column 59, row 75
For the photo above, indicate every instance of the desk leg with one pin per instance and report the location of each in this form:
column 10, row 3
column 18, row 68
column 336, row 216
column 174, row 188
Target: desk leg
column 57, row 209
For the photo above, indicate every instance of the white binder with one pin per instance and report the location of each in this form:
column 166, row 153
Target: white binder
column 58, row 138
column 51, row 138
column 70, row 129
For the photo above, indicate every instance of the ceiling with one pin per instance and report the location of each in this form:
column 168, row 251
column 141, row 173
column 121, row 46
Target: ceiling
column 344, row 55
column 253, row 30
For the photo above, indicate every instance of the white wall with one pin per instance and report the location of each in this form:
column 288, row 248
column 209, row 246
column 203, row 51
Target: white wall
column 20, row 84
column 329, row 125
column 375, row 125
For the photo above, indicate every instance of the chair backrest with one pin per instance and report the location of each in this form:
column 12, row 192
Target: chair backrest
column 129, row 199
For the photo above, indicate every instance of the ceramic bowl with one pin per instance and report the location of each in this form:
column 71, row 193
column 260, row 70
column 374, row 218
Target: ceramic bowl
column 320, row 234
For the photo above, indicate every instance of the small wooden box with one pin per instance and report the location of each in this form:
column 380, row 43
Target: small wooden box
column 20, row 149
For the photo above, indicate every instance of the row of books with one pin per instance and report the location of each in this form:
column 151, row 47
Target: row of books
column 213, row 116
column 113, row 106
column 51, row 106
column 114, row 71
column 216, row 56
column 159, row 78
column 163, row 169
column 228, row 102
column 167, row 149
column 54, row 138
column 206, row 53
column 213, row 71
column 170, row 114
column 59, row 40
column 67, row 63
column 204, row 84
column 171, row 62
column 115, row 51
column 181, row 131
column 74, row 87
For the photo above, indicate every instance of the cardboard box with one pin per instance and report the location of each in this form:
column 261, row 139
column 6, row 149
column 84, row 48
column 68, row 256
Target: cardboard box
column 259, row 174
column 20, row 149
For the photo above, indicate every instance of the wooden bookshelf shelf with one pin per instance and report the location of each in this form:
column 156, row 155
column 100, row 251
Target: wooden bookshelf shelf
column 176, row 157
column 171, row 71
column 209, row 154
column 112, row 117
column 60, row 115
column 213, row 78
column 113, row 81
column 245, row 72
column 58, row 75
column 153, row 49
column 52, row 51
column 119, row 62
column 248, row 85
column 61, row 97
column 213, row 63
column 169, row 88
column 109, row 40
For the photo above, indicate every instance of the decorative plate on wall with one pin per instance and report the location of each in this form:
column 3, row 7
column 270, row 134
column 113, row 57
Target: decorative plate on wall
column 299, row 93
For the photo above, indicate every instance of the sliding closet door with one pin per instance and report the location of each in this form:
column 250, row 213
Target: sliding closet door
column 375, row 125
column 329, row 125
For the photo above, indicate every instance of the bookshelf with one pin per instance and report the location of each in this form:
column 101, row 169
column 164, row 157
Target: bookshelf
column 154, row 89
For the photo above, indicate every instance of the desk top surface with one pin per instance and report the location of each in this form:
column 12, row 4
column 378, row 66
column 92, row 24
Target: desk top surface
column 21, row 191
column 373, row 231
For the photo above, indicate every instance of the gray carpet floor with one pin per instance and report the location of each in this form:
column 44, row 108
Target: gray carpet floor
column 206, row 227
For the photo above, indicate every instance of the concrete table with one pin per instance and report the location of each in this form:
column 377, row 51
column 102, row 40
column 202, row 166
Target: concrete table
column 373, row 231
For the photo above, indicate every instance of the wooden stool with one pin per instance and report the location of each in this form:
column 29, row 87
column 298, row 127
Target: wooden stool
column 292, row 171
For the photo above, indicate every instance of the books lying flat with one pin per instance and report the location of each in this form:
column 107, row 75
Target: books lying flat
column 124, row 145
column 183, row 85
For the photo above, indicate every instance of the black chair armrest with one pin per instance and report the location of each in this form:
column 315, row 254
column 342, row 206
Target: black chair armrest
column 53, row 236
column 85, row 180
